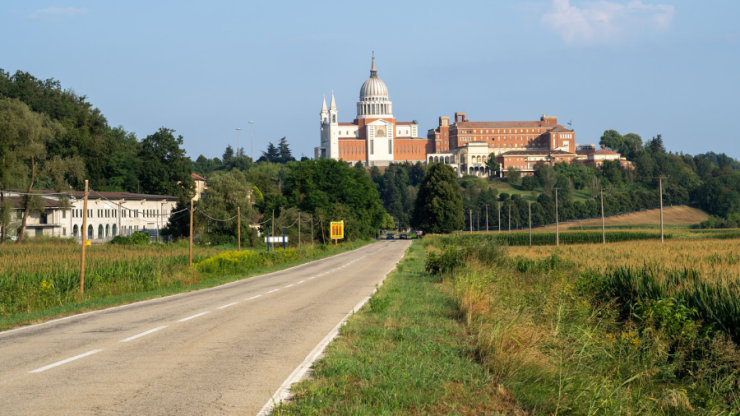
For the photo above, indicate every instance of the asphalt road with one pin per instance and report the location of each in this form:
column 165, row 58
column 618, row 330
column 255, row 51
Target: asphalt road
column 216, row 351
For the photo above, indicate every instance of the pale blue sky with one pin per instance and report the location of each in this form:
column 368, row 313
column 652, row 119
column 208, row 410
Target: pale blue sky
column 665, row 67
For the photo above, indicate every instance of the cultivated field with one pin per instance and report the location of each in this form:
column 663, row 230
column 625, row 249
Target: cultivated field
column 672, row 216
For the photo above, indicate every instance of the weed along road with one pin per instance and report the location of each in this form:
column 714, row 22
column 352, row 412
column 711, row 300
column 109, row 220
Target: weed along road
column 222, row 350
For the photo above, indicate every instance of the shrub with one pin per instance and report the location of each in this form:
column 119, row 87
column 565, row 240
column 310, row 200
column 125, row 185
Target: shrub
column 138, row 238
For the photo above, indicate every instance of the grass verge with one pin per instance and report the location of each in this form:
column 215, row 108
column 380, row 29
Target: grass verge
column 406, row 353
column 177, row 286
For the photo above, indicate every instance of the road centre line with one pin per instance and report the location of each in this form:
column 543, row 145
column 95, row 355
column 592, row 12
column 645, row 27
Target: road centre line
column 77, row 357
column 226, row 306
column 144, row 333
column 191, row 317
column 300, row 282
column 253, row 297
column 311, row 277
column 273, row 290
column 288, row 286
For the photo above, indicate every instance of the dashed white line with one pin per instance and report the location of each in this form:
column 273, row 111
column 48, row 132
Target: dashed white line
column 311, row 277
column 288, row 286
column 273, row 290
column 144, row 333
column 38, row 370
column 300, row 282
column 253, row 297
column 191, row 317
column 227, row 305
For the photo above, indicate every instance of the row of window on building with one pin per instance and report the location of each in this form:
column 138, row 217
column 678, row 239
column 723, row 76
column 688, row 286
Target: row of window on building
column 502, row 131
column 112, row 213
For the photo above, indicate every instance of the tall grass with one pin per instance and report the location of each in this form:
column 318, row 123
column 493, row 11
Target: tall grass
column 615, row 329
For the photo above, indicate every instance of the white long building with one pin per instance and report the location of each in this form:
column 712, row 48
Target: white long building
column 108, row 214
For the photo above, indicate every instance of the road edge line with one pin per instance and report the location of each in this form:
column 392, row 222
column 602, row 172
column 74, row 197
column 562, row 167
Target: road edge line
column 283, row 392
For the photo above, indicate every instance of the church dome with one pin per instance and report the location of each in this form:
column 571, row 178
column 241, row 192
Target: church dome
column 374, row 88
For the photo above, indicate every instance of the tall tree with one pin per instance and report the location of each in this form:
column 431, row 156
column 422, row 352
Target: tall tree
column 492, row 165
column 25, row 136
column 228, row 154
column 438, row 207
column 165, row 169
column 284, row 151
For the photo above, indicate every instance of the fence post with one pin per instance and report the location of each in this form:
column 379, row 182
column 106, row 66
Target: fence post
column 84, row 242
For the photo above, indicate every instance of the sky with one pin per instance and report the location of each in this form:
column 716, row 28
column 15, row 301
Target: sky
column 204, row 69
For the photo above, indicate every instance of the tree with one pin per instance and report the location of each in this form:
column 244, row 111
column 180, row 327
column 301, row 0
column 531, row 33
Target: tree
column 271, row 155
column 492, row 165
column 226, row 193
column 25, row 136
column 438, row 207
column 165, row 170
column 284, row 151
column 513, row 175
column 333, row 191
column 228, row 154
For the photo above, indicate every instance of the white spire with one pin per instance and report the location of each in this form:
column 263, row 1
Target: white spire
column 323, row 107
column 333, row 104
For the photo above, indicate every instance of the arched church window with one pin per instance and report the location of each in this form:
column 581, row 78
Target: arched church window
column 334, row 118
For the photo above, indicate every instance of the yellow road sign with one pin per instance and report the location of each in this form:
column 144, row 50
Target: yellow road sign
column 337, row 230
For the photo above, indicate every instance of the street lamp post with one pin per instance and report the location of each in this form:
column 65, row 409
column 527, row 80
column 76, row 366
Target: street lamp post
column 251, row 134
column 238, row 130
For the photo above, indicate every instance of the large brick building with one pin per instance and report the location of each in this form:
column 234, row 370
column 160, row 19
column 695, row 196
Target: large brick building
column 466, row 145
column 374, row 137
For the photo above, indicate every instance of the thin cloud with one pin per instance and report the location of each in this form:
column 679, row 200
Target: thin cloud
column 606, row 22
column 58, row 13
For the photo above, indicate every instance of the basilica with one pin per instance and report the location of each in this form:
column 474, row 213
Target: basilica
column 374, row 137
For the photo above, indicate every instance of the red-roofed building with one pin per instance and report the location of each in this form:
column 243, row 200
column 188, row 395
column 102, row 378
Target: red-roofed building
column 521, row 144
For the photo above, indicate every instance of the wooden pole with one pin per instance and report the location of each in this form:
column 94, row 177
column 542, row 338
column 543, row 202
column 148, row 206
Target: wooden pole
column 84, row 242
column 530, row 224
column 603, row 228
column 661, row 209
column 557, row 220
column 239, row 228
column 190, row 251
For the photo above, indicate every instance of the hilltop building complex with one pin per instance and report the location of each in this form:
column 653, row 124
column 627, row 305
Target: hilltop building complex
column 375, row 138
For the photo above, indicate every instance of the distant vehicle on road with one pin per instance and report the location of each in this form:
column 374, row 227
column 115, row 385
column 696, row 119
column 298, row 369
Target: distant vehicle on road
column 389, row 236
column 403, row 237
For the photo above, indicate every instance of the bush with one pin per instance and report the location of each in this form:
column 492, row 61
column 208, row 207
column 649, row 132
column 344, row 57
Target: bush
column 138, row 238
column 242, row 261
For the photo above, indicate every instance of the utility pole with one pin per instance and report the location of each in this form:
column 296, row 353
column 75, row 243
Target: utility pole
column 530, row 224
column 190, row 252
column 557, row 220
column 239, row 228
column 603, row 228
column 471, row 221
column 84, row 242
column 660, row 181
column 486, row 217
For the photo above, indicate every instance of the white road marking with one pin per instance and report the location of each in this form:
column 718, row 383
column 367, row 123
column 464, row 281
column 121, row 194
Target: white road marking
column 38, row 370
column 191, row 317
column 300, row 282
column 288, row 286
column 311, row 277
column 144, row 333
column 226, row 306
column 283, row 391
column 253, row 297
column 273, row 290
